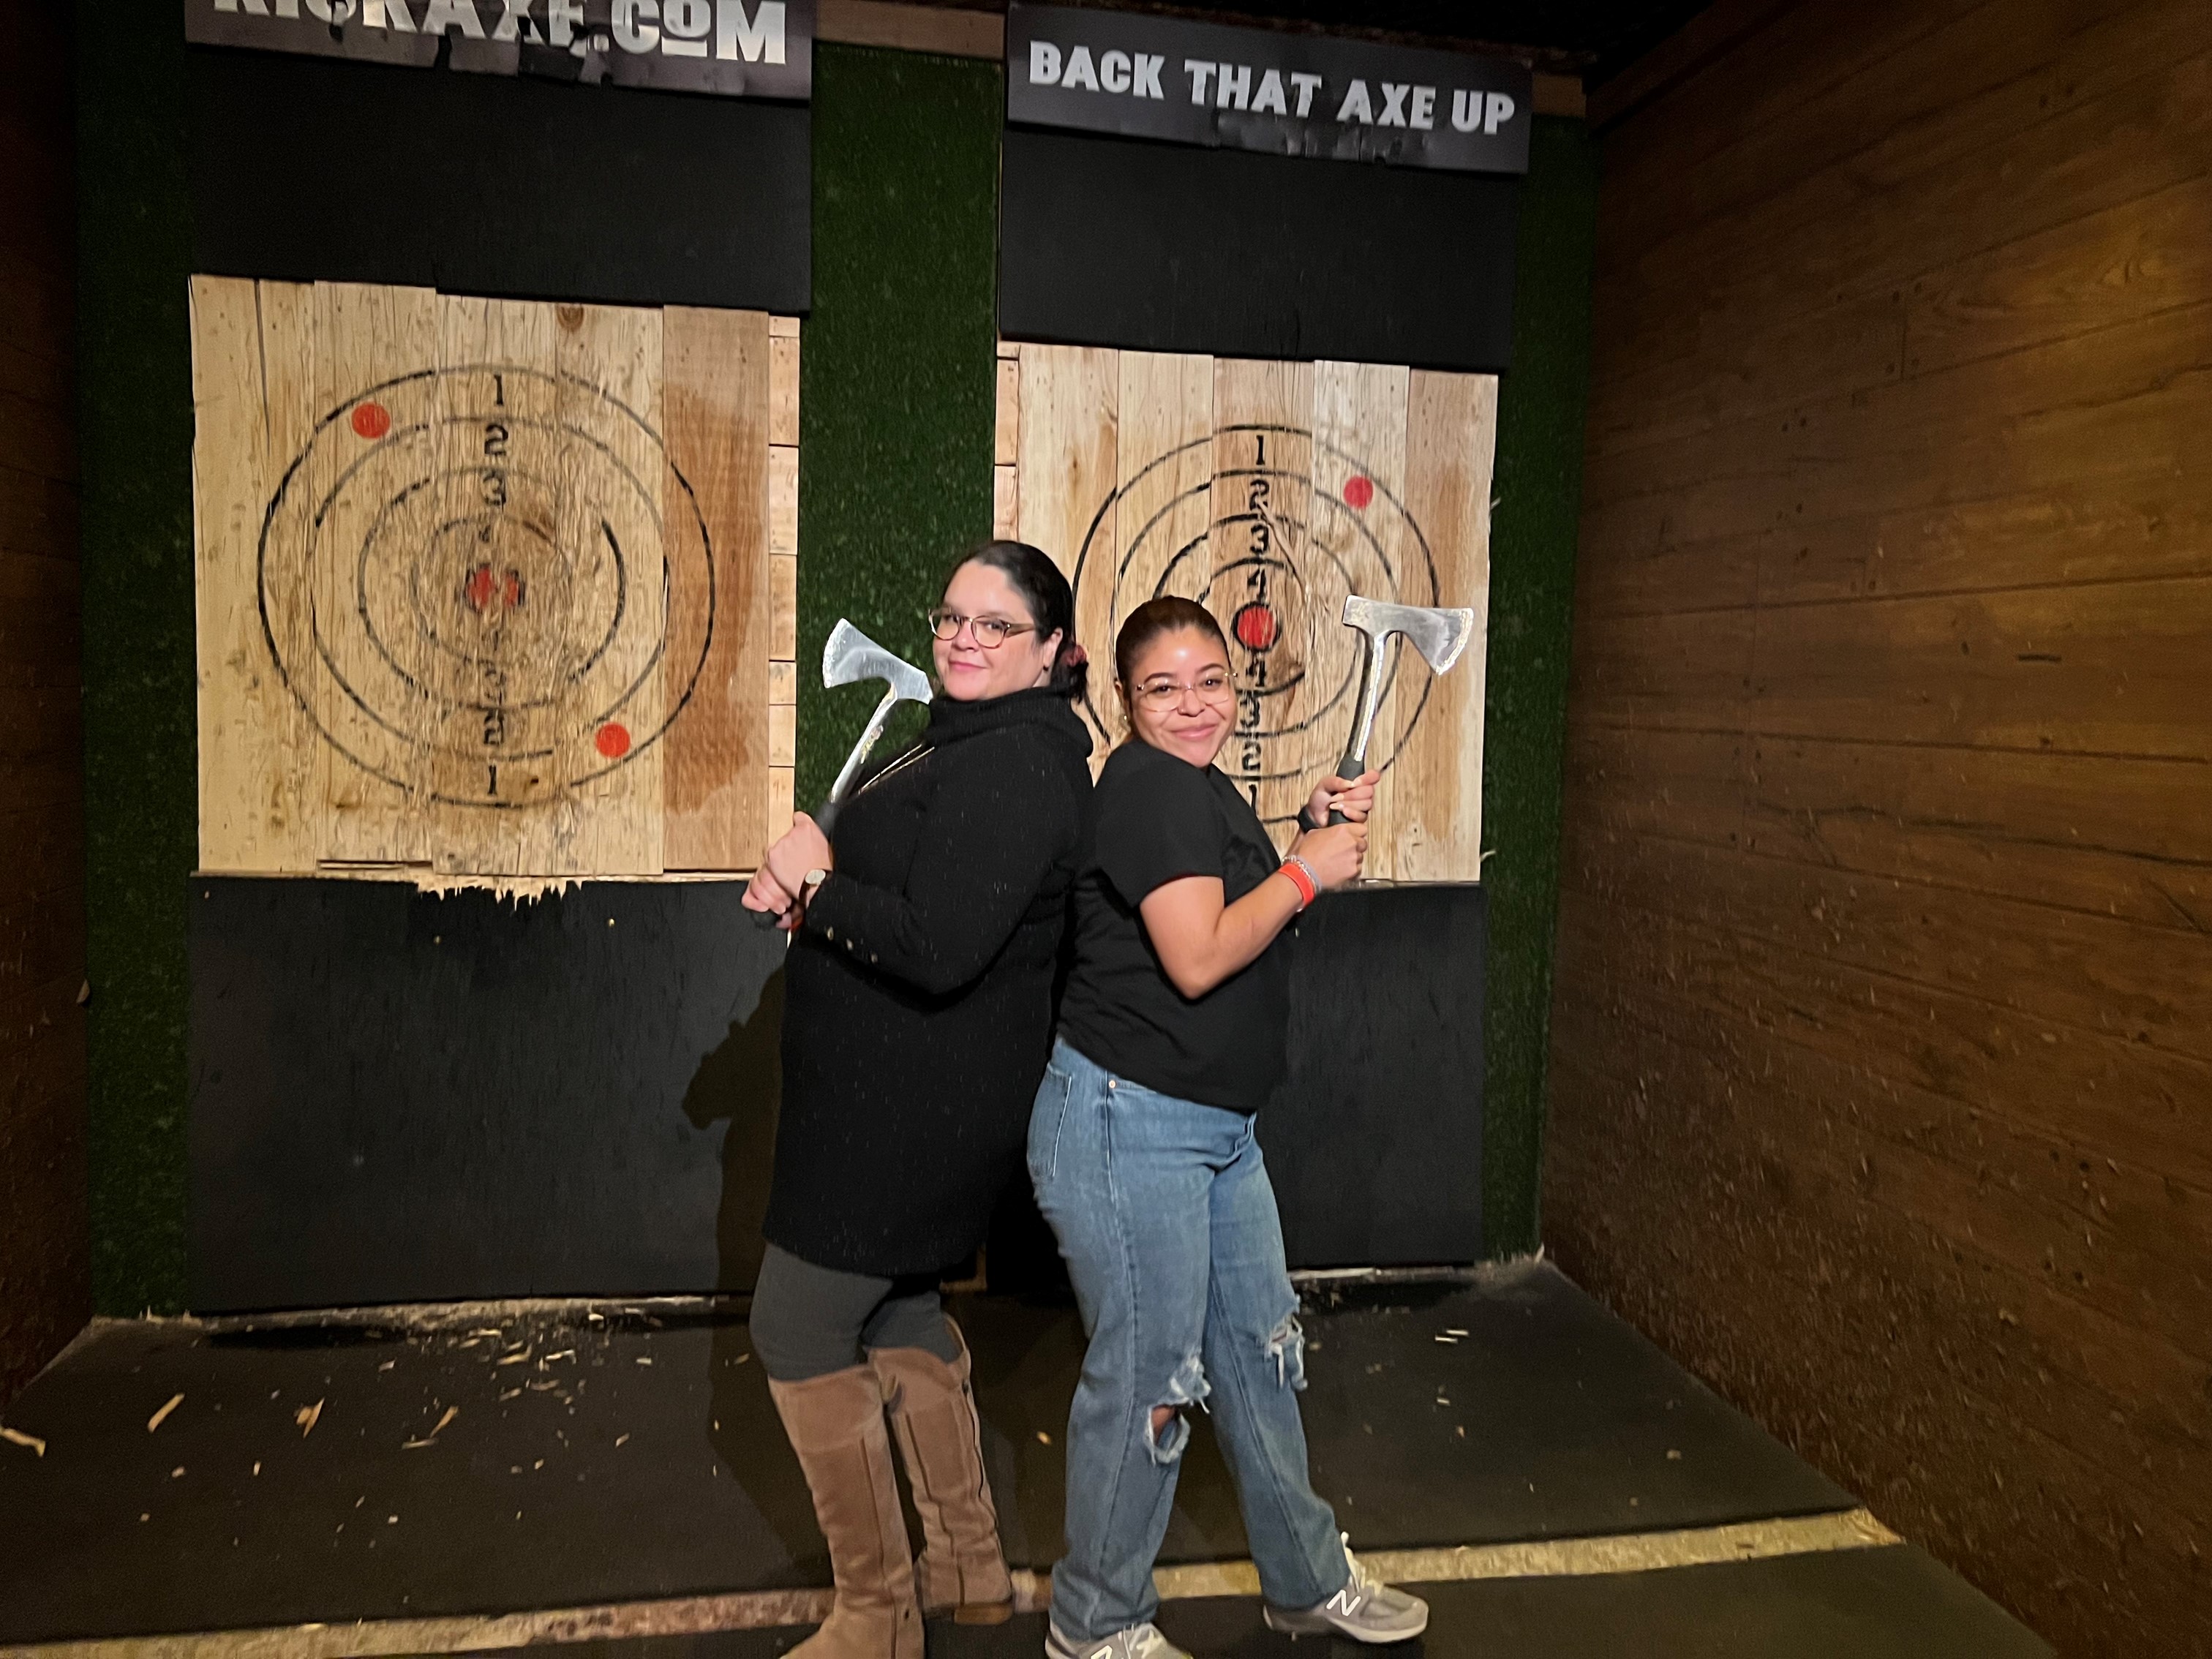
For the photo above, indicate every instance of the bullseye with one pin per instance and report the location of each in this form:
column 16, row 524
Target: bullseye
column 613, row 740
column 485, row 585
column 1257, row 628
column 1358, row 490
column 371, row 420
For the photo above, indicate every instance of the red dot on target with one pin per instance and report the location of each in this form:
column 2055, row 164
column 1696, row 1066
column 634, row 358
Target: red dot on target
column 1256, row 627
column 1358, row 490
column 371, row 420
column 613, row 740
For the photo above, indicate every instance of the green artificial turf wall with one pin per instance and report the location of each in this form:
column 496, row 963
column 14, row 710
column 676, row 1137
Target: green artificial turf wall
column 1532, row 586
column 898, row 410
column 897, row 376
column 134, row 439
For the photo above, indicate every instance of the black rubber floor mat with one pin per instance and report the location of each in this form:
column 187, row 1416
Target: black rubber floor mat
column 1435, row 1414
column 305, row 1475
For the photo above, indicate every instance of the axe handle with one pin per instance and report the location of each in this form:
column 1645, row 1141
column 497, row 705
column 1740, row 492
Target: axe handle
column 825, row 819
column 1347, row 773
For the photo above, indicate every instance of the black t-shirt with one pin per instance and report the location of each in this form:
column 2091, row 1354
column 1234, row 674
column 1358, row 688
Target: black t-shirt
column 1152, row 819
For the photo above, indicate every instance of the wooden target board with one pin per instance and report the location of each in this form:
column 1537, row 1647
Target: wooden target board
column 1269, row 492
column 490, row 588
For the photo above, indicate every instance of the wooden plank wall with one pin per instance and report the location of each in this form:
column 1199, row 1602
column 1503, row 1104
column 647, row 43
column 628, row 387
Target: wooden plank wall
column 1882, row 1036
column 491, row 588
column 45, row 1246
column 1268, row 491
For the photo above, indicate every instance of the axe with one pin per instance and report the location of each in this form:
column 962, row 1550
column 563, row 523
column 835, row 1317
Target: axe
column 851, row 656
column 1439, row 635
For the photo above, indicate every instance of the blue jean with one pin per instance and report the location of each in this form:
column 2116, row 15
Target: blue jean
column 1164, row 1213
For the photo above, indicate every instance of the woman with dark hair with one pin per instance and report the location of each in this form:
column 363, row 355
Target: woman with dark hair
column 1173, row 1031
column 917, row 1020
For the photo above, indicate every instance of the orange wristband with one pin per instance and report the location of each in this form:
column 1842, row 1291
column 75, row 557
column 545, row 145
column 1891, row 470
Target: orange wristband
column 1302, row 878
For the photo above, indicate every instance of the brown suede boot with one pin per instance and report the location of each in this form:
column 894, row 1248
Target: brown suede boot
column 836, row 1426
column 933, row 1409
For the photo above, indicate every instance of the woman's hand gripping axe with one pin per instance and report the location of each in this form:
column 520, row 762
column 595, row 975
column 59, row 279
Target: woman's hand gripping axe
column 1439, row 635
column 851, row 656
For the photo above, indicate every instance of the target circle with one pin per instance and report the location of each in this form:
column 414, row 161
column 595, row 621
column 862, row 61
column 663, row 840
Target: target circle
column 465, row 582
column 1274, row 534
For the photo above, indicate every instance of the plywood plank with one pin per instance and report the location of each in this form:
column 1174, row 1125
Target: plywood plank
column 1359, row 525
column 719, row 398
column 1451, row 427
column 1006, row 429
column 253, row 393
column 1006, row 503
column 1158, row 529
column 783, row 500
column 1068, row 413
column 783, row 608
column 781, row 789
column 783, row 389
column 617, row 352
column 381, row 555
column 1264, row 516
column 502, row 508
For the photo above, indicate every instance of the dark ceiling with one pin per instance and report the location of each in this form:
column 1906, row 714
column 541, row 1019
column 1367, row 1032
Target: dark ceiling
column 1594, row 39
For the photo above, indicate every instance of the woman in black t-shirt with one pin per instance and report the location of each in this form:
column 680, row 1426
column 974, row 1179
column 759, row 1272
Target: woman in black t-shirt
column 1173, row 1031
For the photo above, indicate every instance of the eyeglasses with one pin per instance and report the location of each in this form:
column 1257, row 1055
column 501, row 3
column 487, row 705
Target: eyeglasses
column 1163, row 695
column 991, row 632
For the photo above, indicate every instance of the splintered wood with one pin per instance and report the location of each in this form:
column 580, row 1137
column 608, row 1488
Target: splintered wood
column 1269, row 492
column 491, row 588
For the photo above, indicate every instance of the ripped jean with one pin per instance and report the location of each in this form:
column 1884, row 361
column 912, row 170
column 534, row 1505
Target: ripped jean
column 1164, row 1213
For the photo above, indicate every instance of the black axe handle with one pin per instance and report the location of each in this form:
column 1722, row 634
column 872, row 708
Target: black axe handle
column 1347, row 773
column 825, row 819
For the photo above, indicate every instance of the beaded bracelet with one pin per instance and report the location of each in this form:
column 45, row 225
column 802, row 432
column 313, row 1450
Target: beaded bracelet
column 1302, row 878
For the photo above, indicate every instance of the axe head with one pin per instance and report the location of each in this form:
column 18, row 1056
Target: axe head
column 852, row 656
column 1439, row 635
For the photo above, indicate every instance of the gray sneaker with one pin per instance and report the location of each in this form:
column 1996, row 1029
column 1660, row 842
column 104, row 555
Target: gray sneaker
column 1366, row 1609
column 1138, row 1642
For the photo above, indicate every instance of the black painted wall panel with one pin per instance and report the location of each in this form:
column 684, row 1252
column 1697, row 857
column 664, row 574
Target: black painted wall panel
column 400, row 1097
column 1374, row 1142
column 1166, row 247
column 315, row 171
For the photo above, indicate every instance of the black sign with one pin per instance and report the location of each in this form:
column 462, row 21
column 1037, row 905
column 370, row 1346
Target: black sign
column 1282, row 95
column 738, row 48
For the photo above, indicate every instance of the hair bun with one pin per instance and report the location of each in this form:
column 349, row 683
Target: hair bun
column 1074, row 655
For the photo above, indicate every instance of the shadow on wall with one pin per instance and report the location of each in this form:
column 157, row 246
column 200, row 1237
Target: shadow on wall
column 740, row 1084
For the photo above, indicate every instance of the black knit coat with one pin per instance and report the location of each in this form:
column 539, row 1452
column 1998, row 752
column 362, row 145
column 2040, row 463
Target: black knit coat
column 918, row 1004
